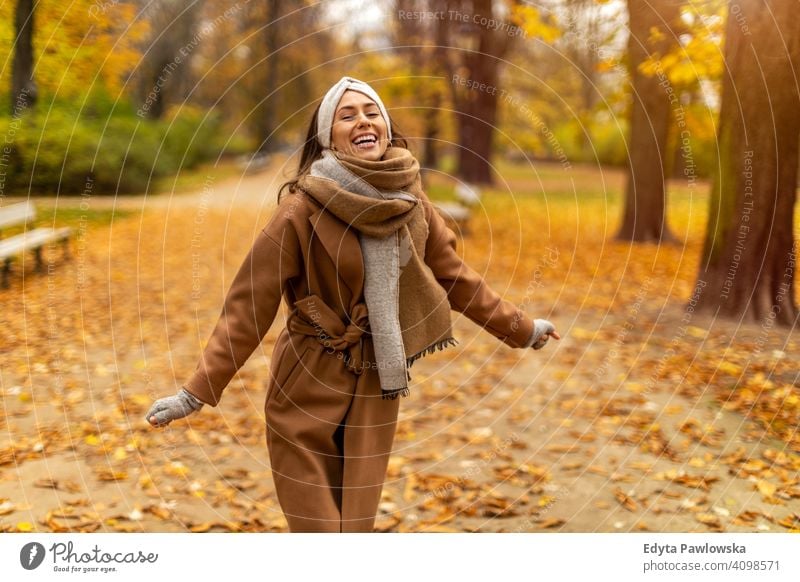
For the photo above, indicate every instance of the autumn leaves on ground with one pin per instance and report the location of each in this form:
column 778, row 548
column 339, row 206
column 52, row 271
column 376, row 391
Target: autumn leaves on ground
column 644, row 417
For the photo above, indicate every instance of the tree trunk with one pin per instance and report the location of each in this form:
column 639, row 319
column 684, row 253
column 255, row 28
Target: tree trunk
column 677, row 169
column 431, row 159
column 644, row 215
column 439, row 60
column 748, row 261
column 586, row 16
column 422, row 46
column 476, row 109
column 476, row 124
column 165, row 70
column 23, row 85
column 269, row 122
column 159, row 82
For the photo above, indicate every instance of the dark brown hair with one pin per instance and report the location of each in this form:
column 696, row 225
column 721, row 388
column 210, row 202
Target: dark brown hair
column 312, row 151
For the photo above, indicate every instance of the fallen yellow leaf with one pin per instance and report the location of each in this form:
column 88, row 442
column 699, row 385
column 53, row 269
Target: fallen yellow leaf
column 766, row 488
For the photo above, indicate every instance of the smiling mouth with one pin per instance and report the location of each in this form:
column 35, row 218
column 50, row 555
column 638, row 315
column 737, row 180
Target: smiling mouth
column 365, row 142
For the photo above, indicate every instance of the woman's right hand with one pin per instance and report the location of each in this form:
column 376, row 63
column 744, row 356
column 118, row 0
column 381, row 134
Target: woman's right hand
column 165, row 410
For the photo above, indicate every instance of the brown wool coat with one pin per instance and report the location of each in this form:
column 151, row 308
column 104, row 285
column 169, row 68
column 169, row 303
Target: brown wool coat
column 303, row 243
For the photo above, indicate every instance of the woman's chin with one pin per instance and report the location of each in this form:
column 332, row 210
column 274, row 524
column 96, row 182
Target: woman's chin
column 369, row 155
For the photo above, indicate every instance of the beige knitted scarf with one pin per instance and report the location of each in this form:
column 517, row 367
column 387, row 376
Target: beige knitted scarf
column 409, row 313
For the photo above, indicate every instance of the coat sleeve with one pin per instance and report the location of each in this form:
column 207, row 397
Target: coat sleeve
column 467, row 291
column 250, row 305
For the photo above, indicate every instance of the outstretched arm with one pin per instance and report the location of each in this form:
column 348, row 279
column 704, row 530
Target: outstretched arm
column 250, row 306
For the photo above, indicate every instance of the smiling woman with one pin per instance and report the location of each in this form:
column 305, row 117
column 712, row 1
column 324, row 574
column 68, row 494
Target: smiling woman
column 359, row 128
column 370, row 271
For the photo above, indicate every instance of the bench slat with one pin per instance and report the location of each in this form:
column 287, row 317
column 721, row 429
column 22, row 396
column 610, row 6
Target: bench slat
column 17, row 214
column 454, row 211
column 31, row 239
column 468, row 194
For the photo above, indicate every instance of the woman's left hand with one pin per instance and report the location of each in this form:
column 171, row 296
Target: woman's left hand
column 544, row 330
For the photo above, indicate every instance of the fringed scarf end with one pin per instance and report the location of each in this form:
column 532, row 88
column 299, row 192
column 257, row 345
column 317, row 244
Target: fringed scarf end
column 392, row 394
column 440, row 345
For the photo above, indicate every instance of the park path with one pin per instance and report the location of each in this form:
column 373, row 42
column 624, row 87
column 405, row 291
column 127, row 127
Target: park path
column 216, row 187
column 597, row 432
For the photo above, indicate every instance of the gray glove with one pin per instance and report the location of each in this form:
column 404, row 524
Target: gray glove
column 541, row 330
column 173, row 407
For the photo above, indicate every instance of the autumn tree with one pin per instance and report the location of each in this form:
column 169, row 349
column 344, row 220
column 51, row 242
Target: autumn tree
column 281, row 38
column 694, row 70
column 23, row 85
column 78, row 47
column 467, row 43
column 590, row 28
column 267, row 121
column 653, row 29
column 479, row 61
column 748, row 260
column 422, row 45
column 165, row 72
column 67, row 50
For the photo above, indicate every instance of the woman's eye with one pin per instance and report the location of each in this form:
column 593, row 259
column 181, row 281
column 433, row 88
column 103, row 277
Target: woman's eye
column 349, row 117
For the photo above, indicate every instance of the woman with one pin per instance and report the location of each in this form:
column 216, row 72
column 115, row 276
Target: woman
column 370, row 272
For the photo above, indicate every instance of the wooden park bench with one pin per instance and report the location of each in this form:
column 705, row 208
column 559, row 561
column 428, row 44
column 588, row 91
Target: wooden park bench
column 459, row 213
column 33, row 240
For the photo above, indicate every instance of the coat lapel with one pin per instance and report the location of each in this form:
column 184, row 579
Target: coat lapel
column 341, row 243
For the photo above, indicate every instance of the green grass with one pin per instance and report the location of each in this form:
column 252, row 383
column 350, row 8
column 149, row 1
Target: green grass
column 557, row 183
column 583, row 193
column 73, row 217
column 441, row 192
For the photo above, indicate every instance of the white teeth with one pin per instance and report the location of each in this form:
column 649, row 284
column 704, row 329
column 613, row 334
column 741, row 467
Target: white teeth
column 364, row 139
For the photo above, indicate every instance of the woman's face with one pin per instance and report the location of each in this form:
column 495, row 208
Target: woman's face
column 358, row 127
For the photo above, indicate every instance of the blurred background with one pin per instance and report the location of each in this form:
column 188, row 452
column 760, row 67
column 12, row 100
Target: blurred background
column 166, row 85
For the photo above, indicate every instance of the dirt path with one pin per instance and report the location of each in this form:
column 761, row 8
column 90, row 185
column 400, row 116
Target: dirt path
column 216, row 188
column 556, row 446
column 596, row 432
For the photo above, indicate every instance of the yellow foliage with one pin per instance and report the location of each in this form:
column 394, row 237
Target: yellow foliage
column 699, row 55
column 529, row 19
column 78, row 45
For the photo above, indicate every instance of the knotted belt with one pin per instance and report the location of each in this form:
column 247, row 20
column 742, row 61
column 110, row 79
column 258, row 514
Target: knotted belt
column 314, row 317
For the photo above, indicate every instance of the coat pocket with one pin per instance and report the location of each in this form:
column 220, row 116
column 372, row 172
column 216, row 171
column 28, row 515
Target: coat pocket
column 289, row 366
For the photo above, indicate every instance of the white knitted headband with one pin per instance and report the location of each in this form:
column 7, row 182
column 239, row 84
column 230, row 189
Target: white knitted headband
column 328, row 107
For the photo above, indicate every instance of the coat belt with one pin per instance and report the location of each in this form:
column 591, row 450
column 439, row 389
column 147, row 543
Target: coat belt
column 314, row 317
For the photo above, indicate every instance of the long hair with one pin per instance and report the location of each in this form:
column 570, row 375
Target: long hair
column 312, row 151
